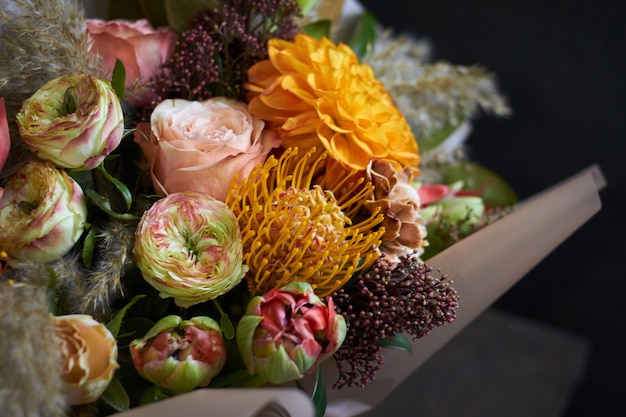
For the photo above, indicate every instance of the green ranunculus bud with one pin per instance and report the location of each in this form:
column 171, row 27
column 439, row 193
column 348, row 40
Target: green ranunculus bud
column 180, row 355
column 74, row 121
column 288, row 332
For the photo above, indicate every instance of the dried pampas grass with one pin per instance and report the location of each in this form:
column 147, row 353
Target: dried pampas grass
column 39, row 41
column 30, row 363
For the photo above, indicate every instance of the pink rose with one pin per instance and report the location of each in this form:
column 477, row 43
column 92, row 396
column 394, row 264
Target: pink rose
column 141, row 49
column 201, row 146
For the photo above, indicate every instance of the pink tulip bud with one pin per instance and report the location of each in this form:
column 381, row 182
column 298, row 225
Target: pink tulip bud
column 180, row 355
column 288, row 332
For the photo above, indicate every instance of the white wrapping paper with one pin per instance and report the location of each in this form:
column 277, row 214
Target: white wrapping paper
column 482, row 266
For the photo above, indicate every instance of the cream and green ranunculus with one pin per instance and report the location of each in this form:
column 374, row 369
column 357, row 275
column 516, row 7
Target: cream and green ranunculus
column 74, row 121
column 42, row 213
column 188, row 246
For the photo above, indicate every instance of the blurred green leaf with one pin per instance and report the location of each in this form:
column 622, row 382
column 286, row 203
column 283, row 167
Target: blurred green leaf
column 118, row 79
column 319, row 394
column 494, row 190
column 318, row 29
column 437, row 138
column 89, row 246
column 116, row 396
column 399, row 342
column 225, row 323
column 104, row 204
column 116, row 323
column 435, row 245
column 119, row 185
column 181, row 12
column 306, row 5
column 362, row 42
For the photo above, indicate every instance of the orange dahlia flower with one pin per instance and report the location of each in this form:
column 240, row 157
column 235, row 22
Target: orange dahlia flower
column 317, row 93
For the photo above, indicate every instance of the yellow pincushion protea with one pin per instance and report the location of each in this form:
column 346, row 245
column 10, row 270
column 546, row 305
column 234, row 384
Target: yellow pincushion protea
column 295, row 232
column 317, row 93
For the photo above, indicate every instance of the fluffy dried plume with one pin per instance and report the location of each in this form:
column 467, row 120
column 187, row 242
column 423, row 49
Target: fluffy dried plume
column 433, row 96
column 33, row 388
column 39, row 41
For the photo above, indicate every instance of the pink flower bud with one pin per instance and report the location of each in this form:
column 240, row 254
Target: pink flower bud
column 180, row 355
column 288, row 332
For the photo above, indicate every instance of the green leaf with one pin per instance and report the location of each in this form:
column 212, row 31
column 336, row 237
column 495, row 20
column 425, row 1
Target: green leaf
column 437, row 138
column 118, row 79
column 181, row 12
column 236, row 378
column 119, row 185
column 116, row 396
column 306, row 5
column 494, row 190
column 318, row 29
column 362, row 42
column 225, row 323
column 89, row 247
column 399, row 342
column 104, row 204
column 116, row 323
column 152, row 394
column 319, row 394
column 435, row 245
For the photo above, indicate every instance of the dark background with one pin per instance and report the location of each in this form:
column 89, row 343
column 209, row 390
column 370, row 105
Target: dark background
column 563, row 68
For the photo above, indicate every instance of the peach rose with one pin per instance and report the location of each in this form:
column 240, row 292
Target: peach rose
column 141, row 49
column 89, row 354
column 201, row 146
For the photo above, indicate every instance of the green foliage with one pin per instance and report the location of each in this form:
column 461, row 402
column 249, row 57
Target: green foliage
column 119, row 185
column 181, row 12
column 493, row 189
column 118, row 79
column 319, row 394
column 364, row 38
column 399, row 342
column 89, row 245
column 318, row 29
column 116, row 323
column 116, row 396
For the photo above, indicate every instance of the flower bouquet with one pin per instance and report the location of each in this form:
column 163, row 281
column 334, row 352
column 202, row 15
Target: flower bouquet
column 202, row 197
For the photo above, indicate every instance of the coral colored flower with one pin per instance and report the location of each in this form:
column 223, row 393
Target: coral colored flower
column 5, row 137
column 293, row 231
column 89, row 355
column 42, row 213
column 318, row 94
column 141, row 48
column 201, row 146
column 74, row 121
column 180, row 355
column 288, row 332
column 188, row 247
